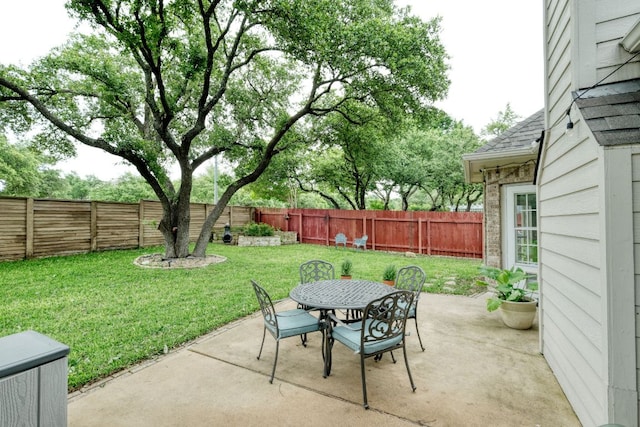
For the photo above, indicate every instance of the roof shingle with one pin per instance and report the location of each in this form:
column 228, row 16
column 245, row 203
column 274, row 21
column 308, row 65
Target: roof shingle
column 519, row 136
column 612, row 112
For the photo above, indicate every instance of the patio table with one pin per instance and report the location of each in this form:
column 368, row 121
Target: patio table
column 337, row 294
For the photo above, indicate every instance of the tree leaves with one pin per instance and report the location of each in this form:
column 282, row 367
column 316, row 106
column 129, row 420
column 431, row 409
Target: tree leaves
column 160, row 83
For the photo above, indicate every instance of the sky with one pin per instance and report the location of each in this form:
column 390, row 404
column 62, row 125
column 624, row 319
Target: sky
column 495, row 49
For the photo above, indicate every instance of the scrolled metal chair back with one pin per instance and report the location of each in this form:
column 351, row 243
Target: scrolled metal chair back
column 410, row 278
column 315, row 270
column 385, row 318
column 266, row 306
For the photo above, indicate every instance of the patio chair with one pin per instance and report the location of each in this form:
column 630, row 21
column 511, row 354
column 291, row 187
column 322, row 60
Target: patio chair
column 314, row 270
column 361, row 242
column 341, row 239
column 381, row 330
column 285, row 324
column 412, row 278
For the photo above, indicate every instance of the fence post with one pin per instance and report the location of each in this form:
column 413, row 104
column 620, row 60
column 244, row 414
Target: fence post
column 301, row 227
column 29, row 228
column 94, row 226
column 141, row 224
column 373, row 233
column 420, row 236
column 429, row 236
column 326, row 232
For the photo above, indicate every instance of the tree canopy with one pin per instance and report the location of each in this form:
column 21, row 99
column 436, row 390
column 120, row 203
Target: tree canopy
column 160, row 82
column 25, row 171
column 504, row 121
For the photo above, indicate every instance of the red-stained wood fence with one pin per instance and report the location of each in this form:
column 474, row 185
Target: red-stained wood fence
column 431, row 233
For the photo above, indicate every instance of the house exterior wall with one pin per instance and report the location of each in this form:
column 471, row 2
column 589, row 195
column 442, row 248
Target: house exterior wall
column 571, row 312
column 494, row 180
column 586, row 266
column 598, row 26
column 613, row 19
column 635, row 161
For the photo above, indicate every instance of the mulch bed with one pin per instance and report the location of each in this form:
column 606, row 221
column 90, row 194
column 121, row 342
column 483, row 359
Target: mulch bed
column 159, row 261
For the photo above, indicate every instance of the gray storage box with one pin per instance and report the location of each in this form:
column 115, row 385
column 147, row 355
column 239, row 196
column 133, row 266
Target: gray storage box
column 33, row 381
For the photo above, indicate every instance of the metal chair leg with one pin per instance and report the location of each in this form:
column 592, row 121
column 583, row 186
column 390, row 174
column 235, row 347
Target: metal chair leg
column 364, row 382
column 264, row 333
column 406, row 362
column 418, row 332
column 273, row 372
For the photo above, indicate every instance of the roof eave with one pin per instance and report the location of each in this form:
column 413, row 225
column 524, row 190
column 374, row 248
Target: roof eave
column 631, row 41
column 475, row 163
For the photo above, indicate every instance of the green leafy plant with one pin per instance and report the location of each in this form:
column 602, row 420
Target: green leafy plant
column 505, row 281
column 258, row 229
column 389, row 272
column 346, row 267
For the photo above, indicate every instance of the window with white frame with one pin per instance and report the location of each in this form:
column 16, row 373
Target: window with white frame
column 525, row 229
column 520, row 227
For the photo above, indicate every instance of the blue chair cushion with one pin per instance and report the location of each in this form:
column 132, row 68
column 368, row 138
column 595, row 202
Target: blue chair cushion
column 411, row 314
column 350, row 337
column 296, row 322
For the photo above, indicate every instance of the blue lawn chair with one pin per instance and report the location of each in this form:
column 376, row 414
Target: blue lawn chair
column 361, row 242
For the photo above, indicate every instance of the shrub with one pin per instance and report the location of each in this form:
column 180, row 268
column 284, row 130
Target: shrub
column 258, row 229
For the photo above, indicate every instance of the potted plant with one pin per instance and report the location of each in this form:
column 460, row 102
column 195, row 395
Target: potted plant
column 389, row 275
column 345, row 269
column 517, row 306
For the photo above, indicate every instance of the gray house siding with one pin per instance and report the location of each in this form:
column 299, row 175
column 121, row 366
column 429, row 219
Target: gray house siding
column 558, row 60
column 636, row 251
column 613, row 19
column 589, row 306
column 570, row 271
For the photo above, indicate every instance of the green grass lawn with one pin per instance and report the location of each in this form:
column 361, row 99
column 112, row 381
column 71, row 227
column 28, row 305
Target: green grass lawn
column 113, row 314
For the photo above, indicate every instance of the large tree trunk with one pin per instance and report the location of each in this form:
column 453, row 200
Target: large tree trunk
column 176, row 218
column 174, row 227
column 405, row 201
column 203, row 239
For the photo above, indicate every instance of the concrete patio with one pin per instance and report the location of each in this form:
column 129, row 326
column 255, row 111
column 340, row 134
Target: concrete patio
column 474, row 372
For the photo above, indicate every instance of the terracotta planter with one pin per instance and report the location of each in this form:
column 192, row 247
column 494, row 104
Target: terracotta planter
column 389, row 282
column 518, row 315
column 345, row 277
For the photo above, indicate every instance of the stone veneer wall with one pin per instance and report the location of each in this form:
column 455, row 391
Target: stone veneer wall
column 287, row 237
column 493, row 181
column 258, row 240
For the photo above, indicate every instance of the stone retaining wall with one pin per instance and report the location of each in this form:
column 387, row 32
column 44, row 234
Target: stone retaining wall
column 259, row 241
column 287, row 237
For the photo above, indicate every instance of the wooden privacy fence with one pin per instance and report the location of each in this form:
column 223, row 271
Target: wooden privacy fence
column 431, row 233
column 32, row 228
